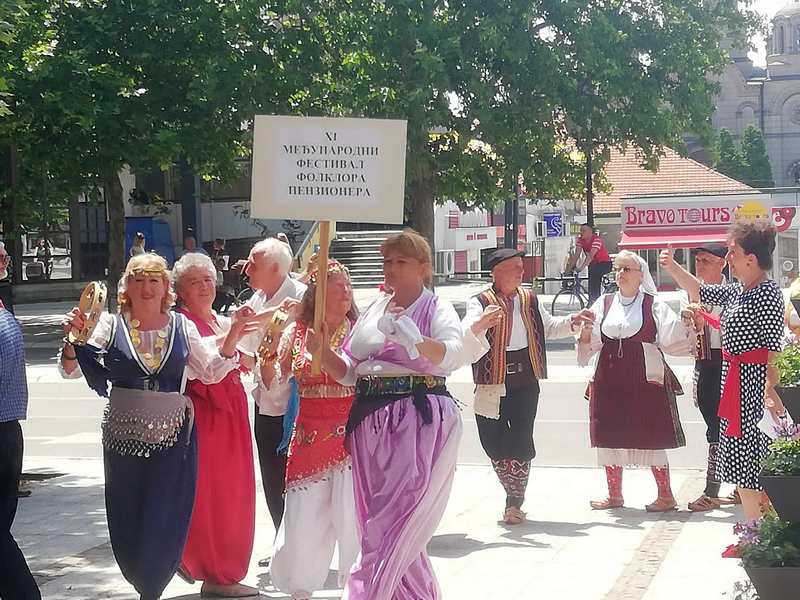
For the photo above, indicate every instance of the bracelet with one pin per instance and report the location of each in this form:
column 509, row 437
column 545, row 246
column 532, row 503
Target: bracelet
column 73, row 357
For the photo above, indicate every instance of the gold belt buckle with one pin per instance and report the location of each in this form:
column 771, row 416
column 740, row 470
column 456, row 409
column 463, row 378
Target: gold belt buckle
column 430, row 381
column 91, row 304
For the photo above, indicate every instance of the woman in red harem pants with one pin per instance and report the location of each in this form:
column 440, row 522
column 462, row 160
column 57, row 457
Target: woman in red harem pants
column 221, row 531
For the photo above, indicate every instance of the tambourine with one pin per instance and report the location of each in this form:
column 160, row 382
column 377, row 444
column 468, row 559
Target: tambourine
column 92, row 304
column 267, row 347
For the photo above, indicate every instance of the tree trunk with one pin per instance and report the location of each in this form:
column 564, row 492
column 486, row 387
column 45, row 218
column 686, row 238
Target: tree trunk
column 116, row 234
column 420, row 214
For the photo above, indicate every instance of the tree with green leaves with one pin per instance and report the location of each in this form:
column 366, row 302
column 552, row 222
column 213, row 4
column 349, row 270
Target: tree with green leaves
column 143, row 85
column 757, row 168
column 499, row 95
column 727, row 158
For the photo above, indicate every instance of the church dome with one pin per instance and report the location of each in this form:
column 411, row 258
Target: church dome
column 792, row 9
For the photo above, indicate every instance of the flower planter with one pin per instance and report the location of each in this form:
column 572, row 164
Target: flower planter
column 784, row 493
column 774, row 583
column 790, row 396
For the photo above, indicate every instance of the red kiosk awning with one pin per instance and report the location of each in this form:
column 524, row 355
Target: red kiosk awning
column 655, row 239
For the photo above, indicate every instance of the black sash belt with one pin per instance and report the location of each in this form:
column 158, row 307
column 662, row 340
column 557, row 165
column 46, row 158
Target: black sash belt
column 373, row 393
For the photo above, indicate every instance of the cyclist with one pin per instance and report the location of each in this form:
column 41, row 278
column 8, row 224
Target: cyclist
column 592, row 248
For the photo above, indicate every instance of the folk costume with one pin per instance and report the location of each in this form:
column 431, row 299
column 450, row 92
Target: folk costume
column 403, row 435
column 633, row 413
column 320, row 507
column 271, row 403
column 222, row 527
column 509, row 360
column 706, row 391
column 149, row 438
column 751, row 327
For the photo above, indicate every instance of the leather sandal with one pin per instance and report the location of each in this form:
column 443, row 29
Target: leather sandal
column 662, row 505
column 607, row 503
column 704, row 503
column 513, row 516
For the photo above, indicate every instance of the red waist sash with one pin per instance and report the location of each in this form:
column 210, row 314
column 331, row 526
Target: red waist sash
column 712, row 319
column 730, row 405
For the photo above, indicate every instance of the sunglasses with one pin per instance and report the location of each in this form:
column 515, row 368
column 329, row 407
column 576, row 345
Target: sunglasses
column 625, row 269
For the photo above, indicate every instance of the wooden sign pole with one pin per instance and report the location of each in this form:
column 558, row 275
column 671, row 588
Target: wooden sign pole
column 322, row 287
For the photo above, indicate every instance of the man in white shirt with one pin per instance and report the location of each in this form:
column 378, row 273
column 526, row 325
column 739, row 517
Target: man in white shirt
column 507, row 365
column 267, row 268
column 709, row 265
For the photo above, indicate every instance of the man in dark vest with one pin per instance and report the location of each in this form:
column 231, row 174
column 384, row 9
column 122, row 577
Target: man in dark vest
column 506, row 327
column 709, row 266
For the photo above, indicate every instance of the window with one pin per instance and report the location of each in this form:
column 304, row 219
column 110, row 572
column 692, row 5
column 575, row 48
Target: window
column 779, row 42
column 452, row 219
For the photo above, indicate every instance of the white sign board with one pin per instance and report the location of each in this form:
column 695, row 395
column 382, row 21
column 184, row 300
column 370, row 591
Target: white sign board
column 324, row 169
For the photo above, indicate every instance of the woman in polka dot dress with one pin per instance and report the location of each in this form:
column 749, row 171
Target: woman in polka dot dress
column 751, row 327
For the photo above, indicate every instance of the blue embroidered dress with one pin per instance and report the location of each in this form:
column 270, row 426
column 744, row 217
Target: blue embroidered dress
column 149, row 444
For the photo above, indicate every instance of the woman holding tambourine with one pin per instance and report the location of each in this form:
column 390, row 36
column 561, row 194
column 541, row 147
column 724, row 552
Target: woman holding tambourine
column 146, row 352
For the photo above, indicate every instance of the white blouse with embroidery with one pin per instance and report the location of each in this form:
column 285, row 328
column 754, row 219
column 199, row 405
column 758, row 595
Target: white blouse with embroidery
column 624, row 320
column 204, row 362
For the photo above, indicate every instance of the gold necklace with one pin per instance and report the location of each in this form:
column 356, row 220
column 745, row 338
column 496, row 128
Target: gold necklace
column 338, row 336
column 151, row 359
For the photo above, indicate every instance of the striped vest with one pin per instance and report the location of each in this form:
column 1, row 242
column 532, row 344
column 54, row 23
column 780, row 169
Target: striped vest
column 491, row 367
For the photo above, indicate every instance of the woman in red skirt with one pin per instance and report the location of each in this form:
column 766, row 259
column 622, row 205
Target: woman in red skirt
column 221, row 531
column 633, row 412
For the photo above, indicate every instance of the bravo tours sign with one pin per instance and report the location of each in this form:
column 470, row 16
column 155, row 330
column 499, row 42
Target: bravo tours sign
column 316, row 168
column 699, row 215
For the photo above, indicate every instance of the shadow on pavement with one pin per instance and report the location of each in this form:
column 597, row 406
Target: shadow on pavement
column 458, row 545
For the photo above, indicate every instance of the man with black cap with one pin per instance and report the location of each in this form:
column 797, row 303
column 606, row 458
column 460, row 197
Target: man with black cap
column 709, row 264
column 505, row 331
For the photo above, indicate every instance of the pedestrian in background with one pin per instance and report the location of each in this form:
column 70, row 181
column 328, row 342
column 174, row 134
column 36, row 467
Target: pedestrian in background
column 137, row 247
column 592, row 248
column 633, row 413
column 751, row 327
column 16, row 581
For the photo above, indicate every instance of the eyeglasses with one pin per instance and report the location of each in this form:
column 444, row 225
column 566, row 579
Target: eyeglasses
column 625, row 269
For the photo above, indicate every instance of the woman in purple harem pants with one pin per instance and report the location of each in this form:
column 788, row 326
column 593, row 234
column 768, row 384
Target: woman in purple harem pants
column 404, row 428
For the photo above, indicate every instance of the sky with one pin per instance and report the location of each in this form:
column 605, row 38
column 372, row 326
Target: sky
column 766, row 8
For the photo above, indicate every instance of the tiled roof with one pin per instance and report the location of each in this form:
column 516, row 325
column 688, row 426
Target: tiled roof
column 627, row 177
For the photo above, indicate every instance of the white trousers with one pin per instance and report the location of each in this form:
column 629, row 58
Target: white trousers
column 316, row 518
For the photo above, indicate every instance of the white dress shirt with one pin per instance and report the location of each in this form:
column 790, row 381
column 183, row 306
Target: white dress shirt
column 272, row 400
column 477, row 345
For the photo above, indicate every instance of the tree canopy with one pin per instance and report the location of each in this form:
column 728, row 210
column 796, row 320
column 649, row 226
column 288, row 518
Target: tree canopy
column 501, row 96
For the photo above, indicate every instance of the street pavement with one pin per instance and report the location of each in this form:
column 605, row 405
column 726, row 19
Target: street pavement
column 565, row 550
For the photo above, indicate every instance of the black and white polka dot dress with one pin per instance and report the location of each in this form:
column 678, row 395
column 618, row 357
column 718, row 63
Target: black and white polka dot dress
column 751, row 319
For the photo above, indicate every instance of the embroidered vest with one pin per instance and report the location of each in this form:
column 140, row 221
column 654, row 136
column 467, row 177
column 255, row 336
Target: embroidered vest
column 491, row 367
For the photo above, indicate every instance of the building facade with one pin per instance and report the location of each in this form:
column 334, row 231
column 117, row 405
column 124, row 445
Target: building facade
column 766, row 98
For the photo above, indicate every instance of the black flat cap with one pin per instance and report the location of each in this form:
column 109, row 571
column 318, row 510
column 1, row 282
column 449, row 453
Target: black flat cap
column 715, row 249
column 498, row 256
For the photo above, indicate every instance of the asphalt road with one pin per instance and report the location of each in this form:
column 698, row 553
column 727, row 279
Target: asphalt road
column 64, row 417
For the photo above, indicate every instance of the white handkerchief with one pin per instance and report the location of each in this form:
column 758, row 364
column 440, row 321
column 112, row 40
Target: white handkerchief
column 653, row 364
column 487, row 400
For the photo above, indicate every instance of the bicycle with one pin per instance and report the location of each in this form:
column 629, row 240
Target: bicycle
column 573, row 297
